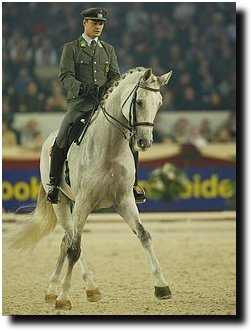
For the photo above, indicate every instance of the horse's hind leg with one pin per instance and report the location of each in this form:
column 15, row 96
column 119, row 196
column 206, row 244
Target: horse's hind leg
column 92, row 292
column 52, row 292
column 79, row 215
column 128, row 210
column 62, row 211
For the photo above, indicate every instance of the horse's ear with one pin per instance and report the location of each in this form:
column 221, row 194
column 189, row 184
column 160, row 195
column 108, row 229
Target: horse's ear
column 164, row 79
column 147, row 74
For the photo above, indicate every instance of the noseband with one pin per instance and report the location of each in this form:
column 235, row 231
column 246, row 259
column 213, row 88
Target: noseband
column 132, row 114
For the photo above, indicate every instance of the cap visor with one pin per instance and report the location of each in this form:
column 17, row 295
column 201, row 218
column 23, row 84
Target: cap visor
column 95, row 19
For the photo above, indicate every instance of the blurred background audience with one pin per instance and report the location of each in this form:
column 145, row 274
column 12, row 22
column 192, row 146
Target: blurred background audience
column 195, row 40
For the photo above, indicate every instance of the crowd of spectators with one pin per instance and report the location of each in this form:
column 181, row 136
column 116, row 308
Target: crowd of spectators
column 184, row 131
column 195, row 40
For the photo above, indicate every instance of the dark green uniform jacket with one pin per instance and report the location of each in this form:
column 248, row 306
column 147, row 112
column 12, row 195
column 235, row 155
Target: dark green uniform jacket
column 79, row 65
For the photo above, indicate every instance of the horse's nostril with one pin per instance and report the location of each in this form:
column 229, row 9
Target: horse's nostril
column 141, row 143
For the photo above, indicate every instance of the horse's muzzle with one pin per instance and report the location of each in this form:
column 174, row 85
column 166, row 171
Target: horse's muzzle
column 144, row 144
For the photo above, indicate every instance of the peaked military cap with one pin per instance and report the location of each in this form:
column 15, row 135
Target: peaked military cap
column 95, row 14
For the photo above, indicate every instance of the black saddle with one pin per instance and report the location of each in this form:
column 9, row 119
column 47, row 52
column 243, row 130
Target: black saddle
column 78, row 129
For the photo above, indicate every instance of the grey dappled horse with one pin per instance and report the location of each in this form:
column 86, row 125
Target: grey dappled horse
column 102, row 174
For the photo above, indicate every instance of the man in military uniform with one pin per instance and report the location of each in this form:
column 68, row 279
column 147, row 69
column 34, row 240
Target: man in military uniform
column 87, row 69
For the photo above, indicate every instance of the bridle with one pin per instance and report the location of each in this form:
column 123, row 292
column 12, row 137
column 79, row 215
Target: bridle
column 132, row 114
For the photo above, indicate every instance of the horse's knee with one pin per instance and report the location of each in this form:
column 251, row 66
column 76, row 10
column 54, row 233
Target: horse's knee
column 74, row 251
column 143, row 235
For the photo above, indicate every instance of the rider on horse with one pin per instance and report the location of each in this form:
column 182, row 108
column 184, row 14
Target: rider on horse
column 87, row 69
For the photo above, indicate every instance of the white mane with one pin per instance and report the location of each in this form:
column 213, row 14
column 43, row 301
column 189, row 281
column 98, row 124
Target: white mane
column 138, row 70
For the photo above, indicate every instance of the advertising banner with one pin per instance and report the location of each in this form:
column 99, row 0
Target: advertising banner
column 20, row 185
column 206, row 189
column 209, row 184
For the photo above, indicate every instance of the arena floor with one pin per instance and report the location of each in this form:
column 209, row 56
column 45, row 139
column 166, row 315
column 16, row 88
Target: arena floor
column 197, row 257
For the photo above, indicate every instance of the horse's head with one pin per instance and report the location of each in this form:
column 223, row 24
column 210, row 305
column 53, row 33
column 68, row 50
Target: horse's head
column 146, row 101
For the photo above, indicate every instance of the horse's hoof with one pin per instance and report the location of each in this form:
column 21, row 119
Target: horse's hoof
column 93, row 295
column 63, row 304
column 163, row 292
column 50, row 298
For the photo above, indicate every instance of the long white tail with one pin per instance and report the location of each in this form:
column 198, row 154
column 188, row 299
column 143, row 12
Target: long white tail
column 42, row 221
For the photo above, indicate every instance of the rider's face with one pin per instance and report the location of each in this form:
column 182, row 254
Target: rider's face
column 92, row 28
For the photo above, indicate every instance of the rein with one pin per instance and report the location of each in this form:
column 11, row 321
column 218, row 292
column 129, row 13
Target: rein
column 132, row 114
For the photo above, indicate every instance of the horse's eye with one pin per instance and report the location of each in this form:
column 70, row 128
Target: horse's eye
column 139, row 103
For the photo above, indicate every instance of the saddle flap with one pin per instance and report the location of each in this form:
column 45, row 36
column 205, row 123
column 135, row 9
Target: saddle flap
column 78, row 129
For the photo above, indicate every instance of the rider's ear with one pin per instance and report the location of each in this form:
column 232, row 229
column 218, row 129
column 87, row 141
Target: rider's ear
column 164, row 79
column 147, row 74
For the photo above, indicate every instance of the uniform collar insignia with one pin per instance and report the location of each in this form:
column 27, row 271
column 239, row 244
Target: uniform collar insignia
column 99, row 43
column 83, row 43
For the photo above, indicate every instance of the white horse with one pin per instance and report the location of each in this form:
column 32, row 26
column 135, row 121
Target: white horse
column 102, row 174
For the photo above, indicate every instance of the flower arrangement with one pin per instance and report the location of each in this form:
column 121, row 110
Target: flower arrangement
column 166, row 183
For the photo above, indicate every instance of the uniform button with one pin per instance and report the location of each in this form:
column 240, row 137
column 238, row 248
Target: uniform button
column 94, row 62
column 81, row 61
column 73, row 97
column 95, row 80
column 95, row 71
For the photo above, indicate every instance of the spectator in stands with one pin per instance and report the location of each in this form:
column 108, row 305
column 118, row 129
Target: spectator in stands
column 205, row 130
column 33, row 100
column 8, row 119
column 155, row 64
column 188, row 100
column 142, row 45
column 136, row 16
column 21, row 55
column 22, row 80
column 31, row 136
column 214, row 101
column 184, row 11
column 46, row 55
column 56, row 101
column 180, row 130
column 127, row 61
column 46, row 62
column 168, row 100
column 7, row 115
column 231, row 126
column 127, row 43
column 196, row 139
column 223, row 135
column 9, row 138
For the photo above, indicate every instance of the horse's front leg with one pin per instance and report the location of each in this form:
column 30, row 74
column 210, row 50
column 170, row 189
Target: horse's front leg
column 128, row 210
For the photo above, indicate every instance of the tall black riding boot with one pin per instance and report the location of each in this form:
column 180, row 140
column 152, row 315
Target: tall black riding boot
column 57, row 162
column 139, row 192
